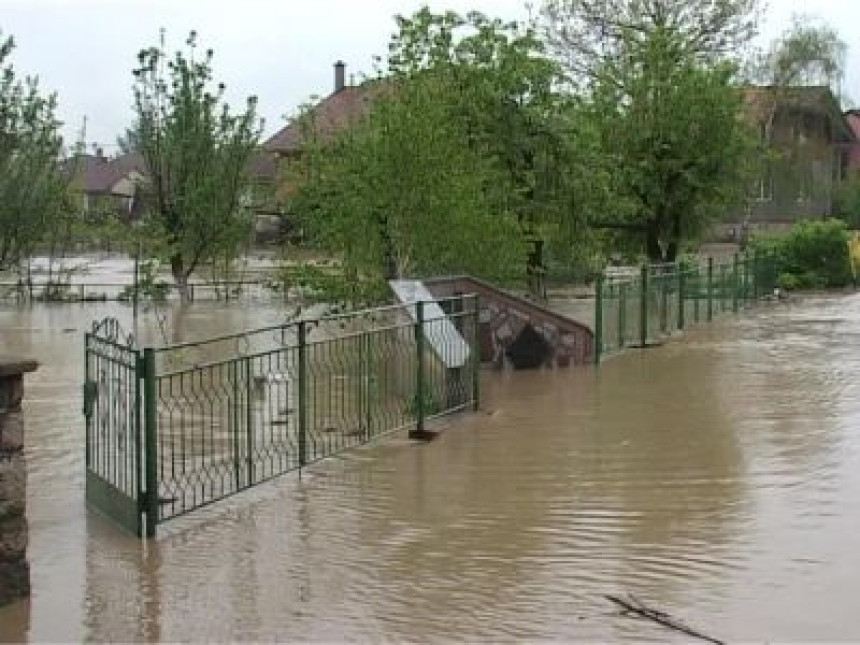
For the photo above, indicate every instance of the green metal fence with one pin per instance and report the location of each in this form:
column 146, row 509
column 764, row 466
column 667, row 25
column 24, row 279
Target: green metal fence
column 209, row 419
column 640, row 308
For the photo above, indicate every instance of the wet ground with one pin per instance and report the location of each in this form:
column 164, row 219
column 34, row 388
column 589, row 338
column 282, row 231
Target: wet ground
column 716, row 478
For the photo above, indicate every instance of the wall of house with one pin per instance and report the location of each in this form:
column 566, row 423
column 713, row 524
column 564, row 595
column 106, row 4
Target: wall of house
column 800, row 179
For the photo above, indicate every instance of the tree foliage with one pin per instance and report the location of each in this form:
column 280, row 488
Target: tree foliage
column 196, row 152
column 594, row 37
column 658, row 76
column 34, row 204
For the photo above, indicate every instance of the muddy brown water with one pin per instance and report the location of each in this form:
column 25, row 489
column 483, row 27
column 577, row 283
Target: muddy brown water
column 716, row 478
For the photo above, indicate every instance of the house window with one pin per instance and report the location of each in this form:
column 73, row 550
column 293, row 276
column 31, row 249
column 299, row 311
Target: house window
column 764, row 187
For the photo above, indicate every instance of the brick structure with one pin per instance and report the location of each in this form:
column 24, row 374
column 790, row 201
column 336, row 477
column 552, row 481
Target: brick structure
column 14, row 571
column 504, row 317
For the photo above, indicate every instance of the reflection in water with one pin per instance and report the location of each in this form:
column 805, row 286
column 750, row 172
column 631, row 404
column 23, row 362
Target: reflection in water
column 716, row 477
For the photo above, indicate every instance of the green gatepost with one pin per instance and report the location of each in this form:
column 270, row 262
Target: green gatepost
column 476, row 356
column 150, row 429
column 755, row 274
column 681, row 314
column 303, row 394
column 249, row 421
column 643, row 306
column 419, row 370
column 598, row 320
column 622, row 314
column 710, row 289
column 735, row 283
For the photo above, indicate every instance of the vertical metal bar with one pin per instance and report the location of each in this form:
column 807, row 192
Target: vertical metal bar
column 150, row 425
column 681, row 295
column 710, row 289
column 476, row 355
column 643, row 306
column 622, row 314
column 249, row 421
column 234, row 406
column 138, row 436
column 755, row 274
column 664, row 303
column 303, row 393
column 419, row 373
column 735, row 282
column 598, row 320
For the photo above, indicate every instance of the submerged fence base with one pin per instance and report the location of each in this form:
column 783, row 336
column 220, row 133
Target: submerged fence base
column 172, row 429
column 639, row 310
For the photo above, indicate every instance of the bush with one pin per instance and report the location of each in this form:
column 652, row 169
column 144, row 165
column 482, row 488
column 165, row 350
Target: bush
column 814, row 254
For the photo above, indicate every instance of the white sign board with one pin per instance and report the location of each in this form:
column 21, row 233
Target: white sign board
column 446, row 341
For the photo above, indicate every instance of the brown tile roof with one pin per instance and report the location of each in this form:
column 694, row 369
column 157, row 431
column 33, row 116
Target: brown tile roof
column 97, row 174
column 330, row 116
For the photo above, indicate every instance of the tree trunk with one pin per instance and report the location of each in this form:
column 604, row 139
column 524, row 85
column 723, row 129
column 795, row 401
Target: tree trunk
column 180, row 277
column 535, row 269
column 652, row 243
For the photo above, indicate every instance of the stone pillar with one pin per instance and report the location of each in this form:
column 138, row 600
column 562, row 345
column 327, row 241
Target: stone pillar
column 14, row 570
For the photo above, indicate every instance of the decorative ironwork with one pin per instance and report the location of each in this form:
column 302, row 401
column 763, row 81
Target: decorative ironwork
column 166, row 436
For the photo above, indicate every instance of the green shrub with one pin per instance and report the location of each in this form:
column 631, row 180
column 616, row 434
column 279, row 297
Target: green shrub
column 814, row 254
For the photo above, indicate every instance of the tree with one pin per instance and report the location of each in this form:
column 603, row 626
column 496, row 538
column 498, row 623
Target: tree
column 33, row 186
column 196, row 151
column 506, row 96
column 127, row 142
column 399, row 194
column 659, row 76
column 593, row 37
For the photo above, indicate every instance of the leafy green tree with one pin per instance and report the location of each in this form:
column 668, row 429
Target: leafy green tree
column 399, row 194
column 506, row 95
column 659, row 77
column 127, row 142
column 34, row 200
column 196, row 152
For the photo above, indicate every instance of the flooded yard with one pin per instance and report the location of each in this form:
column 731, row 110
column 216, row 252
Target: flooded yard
column 716, row 478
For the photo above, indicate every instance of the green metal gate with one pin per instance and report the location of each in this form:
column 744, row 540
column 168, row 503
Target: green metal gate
column 112, row 408
column 175, row 428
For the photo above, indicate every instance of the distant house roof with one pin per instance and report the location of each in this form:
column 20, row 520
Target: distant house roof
column 98, row 174
column 330, row 116
column 758, row 103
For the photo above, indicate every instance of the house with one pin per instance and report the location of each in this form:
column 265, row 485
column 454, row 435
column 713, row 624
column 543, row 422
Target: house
column 853, row 118
column 807, row 142
column 108, row 185
column 346, row 105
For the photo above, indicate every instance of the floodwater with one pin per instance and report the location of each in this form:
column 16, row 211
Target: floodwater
column 717, row 478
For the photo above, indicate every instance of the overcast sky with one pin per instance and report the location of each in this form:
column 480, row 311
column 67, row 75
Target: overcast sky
column 280, row 50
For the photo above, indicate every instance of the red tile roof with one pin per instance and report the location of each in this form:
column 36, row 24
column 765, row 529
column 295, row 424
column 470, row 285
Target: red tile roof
column 329, row 116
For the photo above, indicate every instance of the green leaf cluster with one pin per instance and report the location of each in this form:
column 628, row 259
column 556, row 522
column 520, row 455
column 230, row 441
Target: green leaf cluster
column 813, row 254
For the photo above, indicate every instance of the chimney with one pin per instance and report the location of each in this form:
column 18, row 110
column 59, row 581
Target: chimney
column 339, row 75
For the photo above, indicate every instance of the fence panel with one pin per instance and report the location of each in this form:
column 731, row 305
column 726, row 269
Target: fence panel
column 222, row 425
column 639, row 309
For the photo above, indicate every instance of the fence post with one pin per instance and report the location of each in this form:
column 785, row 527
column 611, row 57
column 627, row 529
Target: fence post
column 755, row 274
column 735, row 282
column 681, row 313
column 622, row 314
column 303, row 393
column 249, row 420
column 710, row 289
column 150, row 440
column 419, row 370
column 598, row 319
column 476, row 355
column 643, row 306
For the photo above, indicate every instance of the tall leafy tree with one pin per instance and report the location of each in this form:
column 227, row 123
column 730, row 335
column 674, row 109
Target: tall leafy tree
column 660, row 78
column 33, row 187
column 196, row 151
